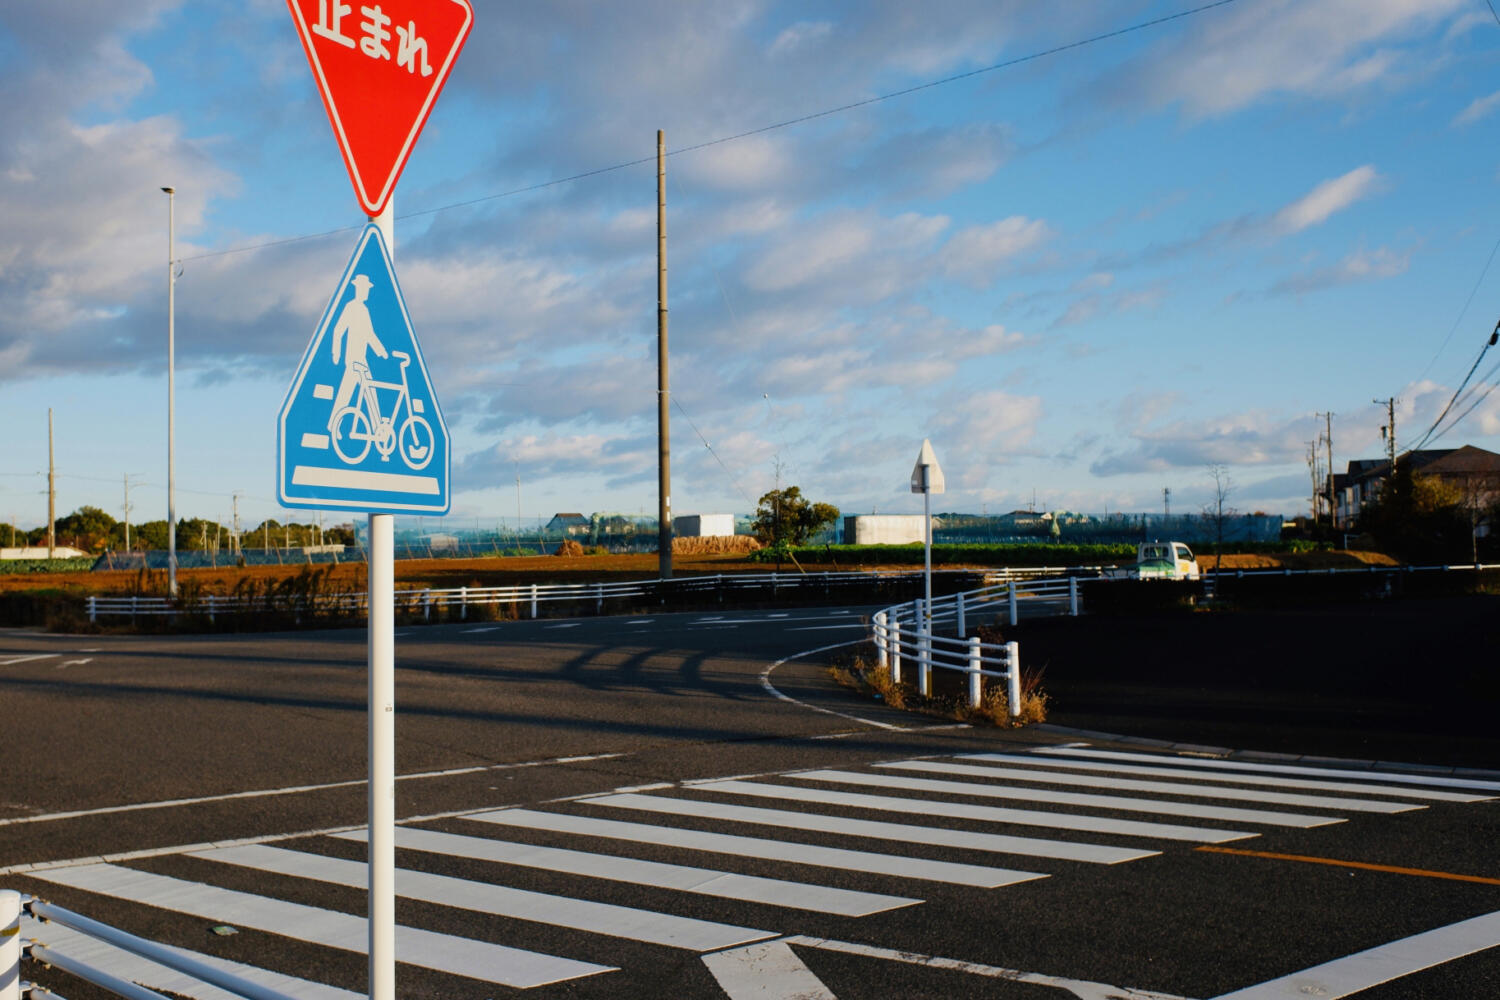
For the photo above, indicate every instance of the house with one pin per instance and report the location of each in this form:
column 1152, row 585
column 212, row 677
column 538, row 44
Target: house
column 568, row 524
column 1472, row 469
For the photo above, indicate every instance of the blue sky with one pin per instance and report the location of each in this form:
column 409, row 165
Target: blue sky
column 1086, row 276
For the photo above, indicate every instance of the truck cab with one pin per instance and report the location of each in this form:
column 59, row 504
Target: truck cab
column 1165, row 561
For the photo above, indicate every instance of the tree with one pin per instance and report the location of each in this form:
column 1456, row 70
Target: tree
column 87, row 528
column 1217, row 510
column 784, row 517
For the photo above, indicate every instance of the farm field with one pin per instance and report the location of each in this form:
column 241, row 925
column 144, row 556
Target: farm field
column 502, row 571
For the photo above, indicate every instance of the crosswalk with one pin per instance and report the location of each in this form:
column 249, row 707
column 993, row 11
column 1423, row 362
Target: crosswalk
column 760, row 854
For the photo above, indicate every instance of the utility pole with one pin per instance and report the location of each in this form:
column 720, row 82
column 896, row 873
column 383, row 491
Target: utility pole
column 1166, row 501
column 1328, row 440
column 663, row 416
column 1388, row 432
column 234, row 538
column 171, row 390
column 1312, row 468
column 51, row 492
column 127, row 512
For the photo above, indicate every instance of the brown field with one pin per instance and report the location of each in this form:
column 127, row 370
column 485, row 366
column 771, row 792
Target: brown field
column 413, row 573
column 1336, row 559
column 502, row 571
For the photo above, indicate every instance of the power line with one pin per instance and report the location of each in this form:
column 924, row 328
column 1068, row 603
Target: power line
column 1495, row 335
column 787, row 123
column 1462, row 312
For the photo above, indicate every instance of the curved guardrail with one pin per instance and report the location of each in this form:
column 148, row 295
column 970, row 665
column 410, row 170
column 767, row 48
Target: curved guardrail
column 923, row 640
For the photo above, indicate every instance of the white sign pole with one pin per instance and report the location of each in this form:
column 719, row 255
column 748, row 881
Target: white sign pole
column 927, row 545
column 382, row 727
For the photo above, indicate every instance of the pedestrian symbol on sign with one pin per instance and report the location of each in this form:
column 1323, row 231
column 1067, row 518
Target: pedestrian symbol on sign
column 360, row 427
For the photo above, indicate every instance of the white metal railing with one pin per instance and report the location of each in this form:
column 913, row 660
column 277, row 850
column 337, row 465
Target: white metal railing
column 530, row 596
column 31, row 940
column 923, row 640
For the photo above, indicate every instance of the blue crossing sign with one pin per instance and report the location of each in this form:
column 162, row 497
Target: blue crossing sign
column 360, row 427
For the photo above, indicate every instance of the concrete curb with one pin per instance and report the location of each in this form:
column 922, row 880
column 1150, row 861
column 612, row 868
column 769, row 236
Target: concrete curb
column 1266, row 756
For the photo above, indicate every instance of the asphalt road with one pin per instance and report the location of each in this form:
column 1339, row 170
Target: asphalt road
column 627, row 805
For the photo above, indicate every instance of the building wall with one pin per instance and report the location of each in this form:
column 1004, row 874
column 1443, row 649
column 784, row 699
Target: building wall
column 703, row 525
column 884, row 529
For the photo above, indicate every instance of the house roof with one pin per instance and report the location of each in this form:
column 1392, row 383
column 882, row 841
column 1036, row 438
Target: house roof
column 1430, row 462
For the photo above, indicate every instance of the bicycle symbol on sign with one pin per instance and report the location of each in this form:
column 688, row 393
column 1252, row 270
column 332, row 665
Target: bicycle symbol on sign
column 358, row 421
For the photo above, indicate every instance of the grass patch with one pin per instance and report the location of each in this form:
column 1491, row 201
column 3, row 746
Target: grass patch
column 860, row 673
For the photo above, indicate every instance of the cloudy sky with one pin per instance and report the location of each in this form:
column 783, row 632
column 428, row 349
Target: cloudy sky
column 1085, row 276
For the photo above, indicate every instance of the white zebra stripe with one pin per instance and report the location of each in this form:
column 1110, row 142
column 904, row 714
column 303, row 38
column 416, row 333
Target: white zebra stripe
column 703, row 881
column 983, row 814
column 1120, row 803
column 1440, row 781
column 904, row 832
column 144, row 972
column 1186, row 789
column 503, row 901
column 839, row 858
column 460, row 956
column 1234, row 778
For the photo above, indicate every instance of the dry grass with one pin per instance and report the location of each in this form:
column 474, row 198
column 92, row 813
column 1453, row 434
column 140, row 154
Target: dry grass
column 715, row 545
column 860, row 676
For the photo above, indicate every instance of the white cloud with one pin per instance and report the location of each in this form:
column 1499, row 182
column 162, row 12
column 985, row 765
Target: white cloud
column 1331, row 196
column 991, row 425
column 798, row 36
column 975, row 254
column 1239, row 56
column 1478, row 108
column 1361, row 265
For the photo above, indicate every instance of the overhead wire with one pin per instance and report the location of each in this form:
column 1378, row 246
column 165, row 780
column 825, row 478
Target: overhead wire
column 761, row 130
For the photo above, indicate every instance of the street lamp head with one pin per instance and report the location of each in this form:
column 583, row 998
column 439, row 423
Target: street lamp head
column 170, row 190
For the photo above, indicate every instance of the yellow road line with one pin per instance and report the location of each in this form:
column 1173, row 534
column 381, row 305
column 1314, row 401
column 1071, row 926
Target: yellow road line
column 1483, row 880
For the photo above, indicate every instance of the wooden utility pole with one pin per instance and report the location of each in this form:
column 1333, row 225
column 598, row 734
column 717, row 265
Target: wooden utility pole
column 1389, row 432
column 663, row 435
column 51, row 492
column 1333, row 507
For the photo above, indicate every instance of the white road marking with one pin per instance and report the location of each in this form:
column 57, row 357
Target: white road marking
column 345, row 931
column 641, row 621
column 1184, row 788
column 1355, row 973
column 768, row 971
column 682, row 878
column 1081, row 988
column 904, row 832
column 482, row 628
column 825, row 628
column 1239, row 778
column 586, row 915
column 1161, row 807
column 289, row 790
column 12, row 661
column 565, row 625
column 143, row 971
column 1440, row 781
column 75, row 663
column 983, row 814
column 765, row 682
column 839, row 858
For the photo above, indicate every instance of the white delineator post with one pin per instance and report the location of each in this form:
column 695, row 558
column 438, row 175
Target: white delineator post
column 382, row 731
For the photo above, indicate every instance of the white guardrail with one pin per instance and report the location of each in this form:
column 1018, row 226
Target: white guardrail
column 17, row 941
column 426, row 601
column 924, row 641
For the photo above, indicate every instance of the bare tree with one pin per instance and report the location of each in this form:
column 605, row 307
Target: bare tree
column 1217, row 510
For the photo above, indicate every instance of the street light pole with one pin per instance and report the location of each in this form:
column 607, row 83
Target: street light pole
column 171, row 390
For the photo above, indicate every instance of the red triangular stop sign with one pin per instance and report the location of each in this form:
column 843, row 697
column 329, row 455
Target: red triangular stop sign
column 379, row 68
